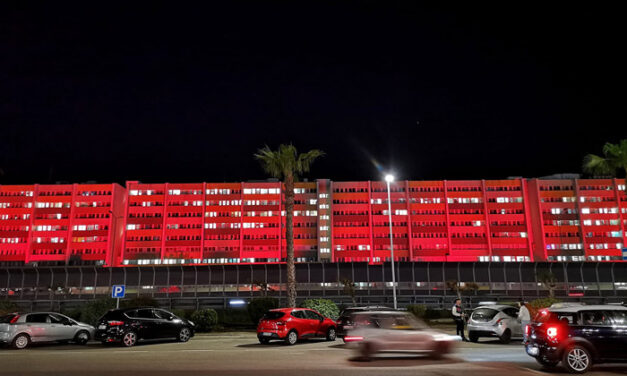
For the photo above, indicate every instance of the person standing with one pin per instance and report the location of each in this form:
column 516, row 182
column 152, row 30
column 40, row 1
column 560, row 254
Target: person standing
column 458, row 316
column 524, row 317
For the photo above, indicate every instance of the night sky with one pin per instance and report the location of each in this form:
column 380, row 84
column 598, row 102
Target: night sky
column 187, row 93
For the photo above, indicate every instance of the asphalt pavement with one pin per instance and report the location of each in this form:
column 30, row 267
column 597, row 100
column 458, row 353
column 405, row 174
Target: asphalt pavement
column 234, row 354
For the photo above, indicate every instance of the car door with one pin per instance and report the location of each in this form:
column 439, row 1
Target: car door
column 38, row 325
column 301, row 323
column 512, row 321
column 148, row 326
column 315, row 323
column 168, row 324
column 61, row 327
column 597, row 328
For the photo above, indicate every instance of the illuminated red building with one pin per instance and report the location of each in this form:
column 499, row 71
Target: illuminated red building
column 513, row 220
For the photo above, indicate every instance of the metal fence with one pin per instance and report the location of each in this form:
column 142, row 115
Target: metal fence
column 217, row 285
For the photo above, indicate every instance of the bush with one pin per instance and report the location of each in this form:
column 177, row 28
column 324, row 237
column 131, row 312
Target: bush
column 8, row 307
column 91, row 312
column 258, row 306
column 325, row 307
column 418, row 310
column 538, row 304
column 205, row 319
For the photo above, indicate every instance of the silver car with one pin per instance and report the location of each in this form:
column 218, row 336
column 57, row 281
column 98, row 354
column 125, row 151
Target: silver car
column 20, row 330
column 494, row 321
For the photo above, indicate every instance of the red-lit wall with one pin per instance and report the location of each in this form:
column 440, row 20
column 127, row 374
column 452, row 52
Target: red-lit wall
column 213, row 223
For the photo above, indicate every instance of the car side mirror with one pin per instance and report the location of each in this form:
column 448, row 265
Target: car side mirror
column 170, row 318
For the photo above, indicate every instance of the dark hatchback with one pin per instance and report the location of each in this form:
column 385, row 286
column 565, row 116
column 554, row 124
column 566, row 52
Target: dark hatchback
column 578, row 336
column 345, row 322
column 130, row 325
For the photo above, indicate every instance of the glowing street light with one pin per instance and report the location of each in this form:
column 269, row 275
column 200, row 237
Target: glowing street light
column 389, row 178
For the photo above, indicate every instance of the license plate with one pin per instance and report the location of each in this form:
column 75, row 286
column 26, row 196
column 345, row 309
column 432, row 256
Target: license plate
column 101, row 327
column 266, row 334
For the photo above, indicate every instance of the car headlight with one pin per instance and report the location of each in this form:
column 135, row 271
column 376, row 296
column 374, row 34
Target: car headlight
column 191, row 323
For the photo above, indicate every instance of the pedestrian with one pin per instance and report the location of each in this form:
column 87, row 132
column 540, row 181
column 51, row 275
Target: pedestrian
column 458, row 316
column 524, row 317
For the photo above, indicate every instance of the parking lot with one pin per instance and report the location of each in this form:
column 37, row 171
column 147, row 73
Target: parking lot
column 241, row 354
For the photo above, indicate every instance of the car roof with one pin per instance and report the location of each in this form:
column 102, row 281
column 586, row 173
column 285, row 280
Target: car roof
column 578, row 308
column 290, row 309
column 498, row 307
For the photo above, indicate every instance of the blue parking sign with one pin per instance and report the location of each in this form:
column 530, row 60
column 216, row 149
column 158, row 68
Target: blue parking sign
column 118, row 291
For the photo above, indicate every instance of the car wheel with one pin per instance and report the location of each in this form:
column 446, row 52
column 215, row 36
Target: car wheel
column 184, row 335
column 331, row 335
column 129, row 339
column 81, row 337
column 472, row 336
column 21, row 341
column 264, row 341
column 577, row 359
column 546, row 364
column 506, row 336
column 292, row 338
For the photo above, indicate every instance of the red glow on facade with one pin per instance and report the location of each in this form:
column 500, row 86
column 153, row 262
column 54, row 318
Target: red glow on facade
column 514, row 220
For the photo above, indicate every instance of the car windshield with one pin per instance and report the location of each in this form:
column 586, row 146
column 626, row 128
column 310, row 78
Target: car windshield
column 484, row 314
column 6, row 319
column 273, row 315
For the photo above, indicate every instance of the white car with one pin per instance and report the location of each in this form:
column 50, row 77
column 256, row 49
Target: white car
column 396, row 332
column 494, row 321
column 21, row 329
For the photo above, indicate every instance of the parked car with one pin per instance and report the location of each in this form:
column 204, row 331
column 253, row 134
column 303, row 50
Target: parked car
column 345, row 322
column 393, row 331
column 494, row 321
column 130, row 325
column 22, row 329
column 578, row 336
column 292, row 324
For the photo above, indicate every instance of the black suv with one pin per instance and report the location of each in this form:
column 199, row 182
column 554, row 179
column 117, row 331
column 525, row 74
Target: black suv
column 345, row 321
column 578, row 336
column 130, row 325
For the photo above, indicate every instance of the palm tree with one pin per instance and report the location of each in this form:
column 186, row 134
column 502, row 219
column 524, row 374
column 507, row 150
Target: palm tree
column 287, row 164
column 614, row 158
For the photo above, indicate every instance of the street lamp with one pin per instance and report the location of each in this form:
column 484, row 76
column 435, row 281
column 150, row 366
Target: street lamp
column 388, row 179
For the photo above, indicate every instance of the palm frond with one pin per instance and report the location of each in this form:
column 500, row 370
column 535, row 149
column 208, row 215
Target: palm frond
column 597, row 165
column 285, row 161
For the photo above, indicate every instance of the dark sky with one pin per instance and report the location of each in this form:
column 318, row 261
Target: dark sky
column 187, row 93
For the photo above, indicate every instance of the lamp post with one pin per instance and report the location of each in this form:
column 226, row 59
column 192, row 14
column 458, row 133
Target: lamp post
column 388, row 179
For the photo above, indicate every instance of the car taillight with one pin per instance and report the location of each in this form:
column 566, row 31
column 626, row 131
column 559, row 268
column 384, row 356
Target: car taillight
column 280, row 322
column 14, row 320
column 115, row 323
column 551, row 332
column 527, row 330
column 498, row 322
column 353, row 338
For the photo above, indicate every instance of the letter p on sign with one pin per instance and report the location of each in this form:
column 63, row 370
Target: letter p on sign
column 118, row 291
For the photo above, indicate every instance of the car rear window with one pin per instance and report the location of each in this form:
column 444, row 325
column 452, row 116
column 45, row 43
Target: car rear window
column 6, row 319
column 484, row 314
column 273, row 315
column 563, row 317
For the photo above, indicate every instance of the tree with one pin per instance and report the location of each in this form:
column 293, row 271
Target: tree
column 548, row 280
column 614, row 159
column 288, row 165
column 349, row 289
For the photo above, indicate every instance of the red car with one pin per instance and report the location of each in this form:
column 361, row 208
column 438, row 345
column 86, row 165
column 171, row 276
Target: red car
column 292, row 324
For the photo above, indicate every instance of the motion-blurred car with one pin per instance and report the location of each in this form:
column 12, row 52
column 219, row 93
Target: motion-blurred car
column 578, row 336
column 292, row 324
column 21, row 329
column 130, row 325
column 345, row 322
column 494, row 321
column 396, row 332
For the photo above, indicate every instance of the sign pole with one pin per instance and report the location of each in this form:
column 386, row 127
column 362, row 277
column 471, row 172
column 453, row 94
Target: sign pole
column 117, row 303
